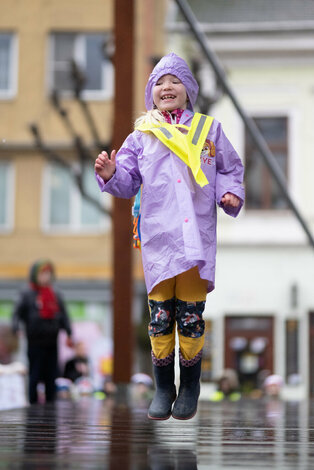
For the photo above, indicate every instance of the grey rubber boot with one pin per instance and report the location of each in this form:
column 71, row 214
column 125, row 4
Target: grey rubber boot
column 185, row 406
column 165, row 394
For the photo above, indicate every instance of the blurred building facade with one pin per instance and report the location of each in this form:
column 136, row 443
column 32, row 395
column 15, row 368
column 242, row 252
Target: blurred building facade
column 261, row 315
column 42, row 212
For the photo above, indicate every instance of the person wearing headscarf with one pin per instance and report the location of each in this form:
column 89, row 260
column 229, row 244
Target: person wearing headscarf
column 42, row 311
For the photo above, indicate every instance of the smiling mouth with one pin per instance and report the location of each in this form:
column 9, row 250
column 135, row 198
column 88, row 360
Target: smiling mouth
column 168, row 97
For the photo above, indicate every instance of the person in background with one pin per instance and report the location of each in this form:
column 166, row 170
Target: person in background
column 77, row 367
column 42, row 311
column 273, row 385
column 227, row 387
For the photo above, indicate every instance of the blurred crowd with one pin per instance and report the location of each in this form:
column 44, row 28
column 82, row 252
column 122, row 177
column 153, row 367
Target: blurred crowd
column 228, row 386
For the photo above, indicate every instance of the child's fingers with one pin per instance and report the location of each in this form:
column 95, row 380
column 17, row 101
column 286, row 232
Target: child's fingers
column 226, row 199
column 230, row 200
column 103, row 161
column 98, row 166
column 100, row 163
column 113, row 156
column 103, row 156
column 233, row 201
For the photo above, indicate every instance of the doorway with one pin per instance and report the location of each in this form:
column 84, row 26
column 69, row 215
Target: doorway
column 249, row 349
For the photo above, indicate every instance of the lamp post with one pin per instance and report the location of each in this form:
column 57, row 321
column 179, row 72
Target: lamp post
column 122, row 222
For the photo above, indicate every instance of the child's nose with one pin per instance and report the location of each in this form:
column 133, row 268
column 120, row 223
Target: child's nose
column 167, row 85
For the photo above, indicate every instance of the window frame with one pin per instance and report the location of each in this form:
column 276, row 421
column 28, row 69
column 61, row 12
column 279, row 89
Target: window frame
column 106, row 93
column 8, row 226
column 75, row 226
column 271, row 114
column 11, row 92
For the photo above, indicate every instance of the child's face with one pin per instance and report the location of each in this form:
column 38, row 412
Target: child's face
column 169, row 93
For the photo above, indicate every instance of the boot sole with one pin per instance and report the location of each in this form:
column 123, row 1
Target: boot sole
column 156, row 418
column 185, row 418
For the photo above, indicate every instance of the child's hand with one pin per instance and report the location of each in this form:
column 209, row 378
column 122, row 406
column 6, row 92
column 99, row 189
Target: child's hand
column 230, row 199
column 105, row 166
column 69, row 342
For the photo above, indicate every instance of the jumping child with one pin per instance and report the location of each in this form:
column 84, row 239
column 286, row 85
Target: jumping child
column 185, row 165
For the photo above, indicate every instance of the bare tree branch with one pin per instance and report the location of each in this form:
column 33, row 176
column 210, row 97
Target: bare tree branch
column 79, row 82
column 82, row 152
column 76, row 171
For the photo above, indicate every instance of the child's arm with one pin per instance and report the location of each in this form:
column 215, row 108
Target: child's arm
column 229, row 177
column 65, row 320
column 120, row 175
column 19, row 312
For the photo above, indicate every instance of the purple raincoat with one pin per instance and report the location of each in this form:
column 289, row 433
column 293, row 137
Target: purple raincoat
column 178, row 217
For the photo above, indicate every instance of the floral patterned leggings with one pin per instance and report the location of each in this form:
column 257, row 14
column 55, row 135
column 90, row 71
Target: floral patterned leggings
column 179, row 300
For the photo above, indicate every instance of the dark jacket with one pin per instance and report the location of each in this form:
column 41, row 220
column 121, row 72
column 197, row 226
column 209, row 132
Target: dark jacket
column 39, row 330
column 72, row 369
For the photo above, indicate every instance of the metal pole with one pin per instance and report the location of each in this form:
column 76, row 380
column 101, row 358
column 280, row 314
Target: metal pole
column 250, row 125
column 122, row 220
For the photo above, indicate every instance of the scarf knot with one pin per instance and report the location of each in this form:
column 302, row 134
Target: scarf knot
column 176, row 115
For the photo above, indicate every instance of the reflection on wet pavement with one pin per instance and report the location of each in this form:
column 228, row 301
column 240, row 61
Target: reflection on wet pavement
column 94, row 434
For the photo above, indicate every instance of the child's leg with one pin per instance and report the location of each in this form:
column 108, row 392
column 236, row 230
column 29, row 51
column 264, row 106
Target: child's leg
column 191, row 293
column 162, row 312
column 162, row 335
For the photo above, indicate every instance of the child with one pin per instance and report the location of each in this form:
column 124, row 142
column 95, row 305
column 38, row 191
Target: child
column 184, row 171
column 77, row 366
column 43, row 312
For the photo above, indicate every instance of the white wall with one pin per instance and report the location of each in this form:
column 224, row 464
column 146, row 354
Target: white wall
column 258, row 281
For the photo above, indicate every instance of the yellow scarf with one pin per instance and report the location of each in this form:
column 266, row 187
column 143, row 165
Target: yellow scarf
column 187, row 147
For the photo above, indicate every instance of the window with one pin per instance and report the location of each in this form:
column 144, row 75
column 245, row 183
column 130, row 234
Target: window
column 87, row 50
column 6, row 196
column 65, row 209
column 7, row 65
column 262, row 192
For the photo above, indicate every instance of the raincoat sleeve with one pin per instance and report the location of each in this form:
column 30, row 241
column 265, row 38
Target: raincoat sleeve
column 229, row 177
column 127, row 179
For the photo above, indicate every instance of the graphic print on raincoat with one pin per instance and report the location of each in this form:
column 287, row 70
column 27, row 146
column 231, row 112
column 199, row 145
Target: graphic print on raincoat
column 178, row 217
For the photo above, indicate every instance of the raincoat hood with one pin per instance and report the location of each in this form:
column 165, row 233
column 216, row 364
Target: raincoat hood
column 174, row 65
column 38, row 266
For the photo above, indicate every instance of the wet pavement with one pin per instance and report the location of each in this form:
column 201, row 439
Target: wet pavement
column 107, row 434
